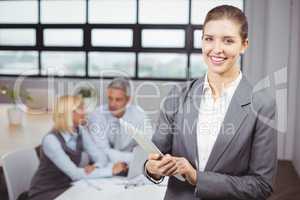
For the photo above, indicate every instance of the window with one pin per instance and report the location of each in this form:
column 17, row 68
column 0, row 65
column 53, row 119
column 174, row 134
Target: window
column 198, row 39
column 164, row 12
column 17, row 37
column 16, row 12
column 63, row 37
column 63, row 63
column 63, row 12
column 205, row 5
column 112, row 11
column 19, row 62
column 157, row 65
column 197, row 66
column 142, row 39
column 161, row 38
column 105, row 64
column 112, row 37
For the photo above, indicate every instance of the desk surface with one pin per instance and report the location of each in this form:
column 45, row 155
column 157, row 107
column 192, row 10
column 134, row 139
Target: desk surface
column 111, row 189
column 29, row 134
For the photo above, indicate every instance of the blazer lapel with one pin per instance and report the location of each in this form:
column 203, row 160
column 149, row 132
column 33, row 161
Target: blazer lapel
column 191, row 119
column 233, row 119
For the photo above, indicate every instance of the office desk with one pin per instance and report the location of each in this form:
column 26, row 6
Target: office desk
column 30, row 134
column 112, row 190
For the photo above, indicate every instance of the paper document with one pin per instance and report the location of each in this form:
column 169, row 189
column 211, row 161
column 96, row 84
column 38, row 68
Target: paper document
column 143, row 141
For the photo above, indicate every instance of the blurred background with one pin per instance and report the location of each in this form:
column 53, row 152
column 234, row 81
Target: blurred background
column 56, row 47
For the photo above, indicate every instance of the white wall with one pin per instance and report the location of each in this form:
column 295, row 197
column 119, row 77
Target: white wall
column 272, row 57
column 274, row 54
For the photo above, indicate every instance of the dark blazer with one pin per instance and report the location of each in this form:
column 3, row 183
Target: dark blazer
column 243, row 161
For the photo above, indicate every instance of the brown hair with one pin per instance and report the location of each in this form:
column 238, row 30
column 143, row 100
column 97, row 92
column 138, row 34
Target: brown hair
column 231, row 13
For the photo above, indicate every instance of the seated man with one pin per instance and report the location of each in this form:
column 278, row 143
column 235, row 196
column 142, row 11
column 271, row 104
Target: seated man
column 105, row 127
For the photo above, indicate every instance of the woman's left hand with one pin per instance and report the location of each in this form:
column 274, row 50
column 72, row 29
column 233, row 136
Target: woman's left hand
column 186, row 170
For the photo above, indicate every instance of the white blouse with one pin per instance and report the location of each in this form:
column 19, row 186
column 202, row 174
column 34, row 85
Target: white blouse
column 210, row 118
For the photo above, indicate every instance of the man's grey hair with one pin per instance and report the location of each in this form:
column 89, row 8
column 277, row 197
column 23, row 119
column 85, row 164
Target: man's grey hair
column 121, row 83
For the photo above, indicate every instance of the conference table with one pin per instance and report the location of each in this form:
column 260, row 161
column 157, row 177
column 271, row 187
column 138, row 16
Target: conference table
column 113, row 189
column 27, row 135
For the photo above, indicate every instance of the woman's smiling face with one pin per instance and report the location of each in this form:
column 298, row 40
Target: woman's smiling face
column 222, row 45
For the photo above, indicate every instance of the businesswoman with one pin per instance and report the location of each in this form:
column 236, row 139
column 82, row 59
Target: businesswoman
column 61, row 152
column 216, row 131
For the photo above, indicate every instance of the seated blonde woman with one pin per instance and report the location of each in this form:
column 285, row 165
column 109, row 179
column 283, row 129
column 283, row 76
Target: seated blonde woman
column 62, row 150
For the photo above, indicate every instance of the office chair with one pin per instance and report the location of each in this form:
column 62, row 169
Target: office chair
column 18, row 168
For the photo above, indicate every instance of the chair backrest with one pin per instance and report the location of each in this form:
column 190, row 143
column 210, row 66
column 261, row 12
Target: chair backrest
column 18, row 168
